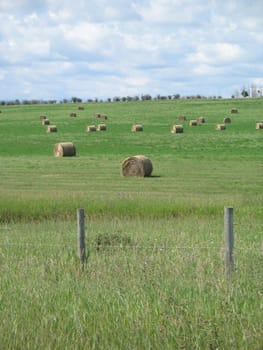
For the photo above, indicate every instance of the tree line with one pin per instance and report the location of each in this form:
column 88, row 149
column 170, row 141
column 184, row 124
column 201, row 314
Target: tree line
column 74, row 99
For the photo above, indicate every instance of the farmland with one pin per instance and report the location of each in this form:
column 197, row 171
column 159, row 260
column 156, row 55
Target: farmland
column 159, row 279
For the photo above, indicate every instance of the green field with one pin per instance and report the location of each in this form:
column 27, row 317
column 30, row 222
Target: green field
column 158, row 280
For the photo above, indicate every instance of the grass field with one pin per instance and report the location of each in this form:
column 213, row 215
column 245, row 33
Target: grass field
column 158, row 281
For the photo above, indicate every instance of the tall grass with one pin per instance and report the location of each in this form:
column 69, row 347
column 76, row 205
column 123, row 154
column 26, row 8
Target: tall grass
column 155, row 275
column 165, row 287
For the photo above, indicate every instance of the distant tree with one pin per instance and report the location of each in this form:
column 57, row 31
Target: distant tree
column 76, row 100
column 244, row 93
column 146, row 97
column 176, row 96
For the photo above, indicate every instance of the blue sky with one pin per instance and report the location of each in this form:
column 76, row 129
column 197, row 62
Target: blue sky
column 55, row 49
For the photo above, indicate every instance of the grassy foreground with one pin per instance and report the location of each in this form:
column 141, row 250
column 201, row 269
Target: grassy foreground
column 155, row 276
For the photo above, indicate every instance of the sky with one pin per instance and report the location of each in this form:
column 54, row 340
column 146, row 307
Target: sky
column 56, row 49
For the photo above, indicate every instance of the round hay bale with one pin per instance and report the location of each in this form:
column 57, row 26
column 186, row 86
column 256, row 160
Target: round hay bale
column 42, row 117
column 259, row 125
column 52, row 128
column 234, row 110
column 193, row 122
column 227, row 120
column 140, row 166
column 182, row 117
column 137, row 127
column 45, row 121
column 177, row 129
column 220, row 127
column 64, row 149
column 91, row 128
column 101, row 127
column 74, row 115
column 201, row 120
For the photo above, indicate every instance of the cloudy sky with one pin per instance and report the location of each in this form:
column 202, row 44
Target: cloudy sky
column 55, row 49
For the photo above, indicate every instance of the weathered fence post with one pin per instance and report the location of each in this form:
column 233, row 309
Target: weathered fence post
column 81, row 236
column 229, row 241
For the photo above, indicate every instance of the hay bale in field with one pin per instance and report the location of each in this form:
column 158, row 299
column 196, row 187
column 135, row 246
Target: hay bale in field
column 137, row 127
column 140, row 166
column 52, row 128
column 64, row 149
column 259, row 125
column 42, row 117
column 220, row 127
column 101, row 116
column 72, row 114
column 177, row 129
column 91, row 128
column 234, row 110
column 101, row 127
column 227, row 120
column 201, row 120
column 193, row 122
column 81, row 108
column 45, row 122
column 182, row 117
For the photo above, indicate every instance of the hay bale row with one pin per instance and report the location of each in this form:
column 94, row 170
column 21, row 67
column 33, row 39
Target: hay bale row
column 138, row 166
column 101, row 116
column 64, row 149
column 99, row 127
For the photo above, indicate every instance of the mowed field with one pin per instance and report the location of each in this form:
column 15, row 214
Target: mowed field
column 155, row 274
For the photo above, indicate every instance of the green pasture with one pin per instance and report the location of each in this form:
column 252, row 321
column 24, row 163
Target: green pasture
column 155, row 275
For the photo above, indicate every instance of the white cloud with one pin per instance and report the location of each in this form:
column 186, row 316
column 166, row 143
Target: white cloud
column 104, row 48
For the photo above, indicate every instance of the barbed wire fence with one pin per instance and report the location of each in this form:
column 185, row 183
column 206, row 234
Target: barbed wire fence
column 82, row 246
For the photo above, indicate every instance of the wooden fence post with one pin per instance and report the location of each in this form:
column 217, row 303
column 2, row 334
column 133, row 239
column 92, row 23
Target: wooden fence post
column 81, row 236
column 229, row 241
